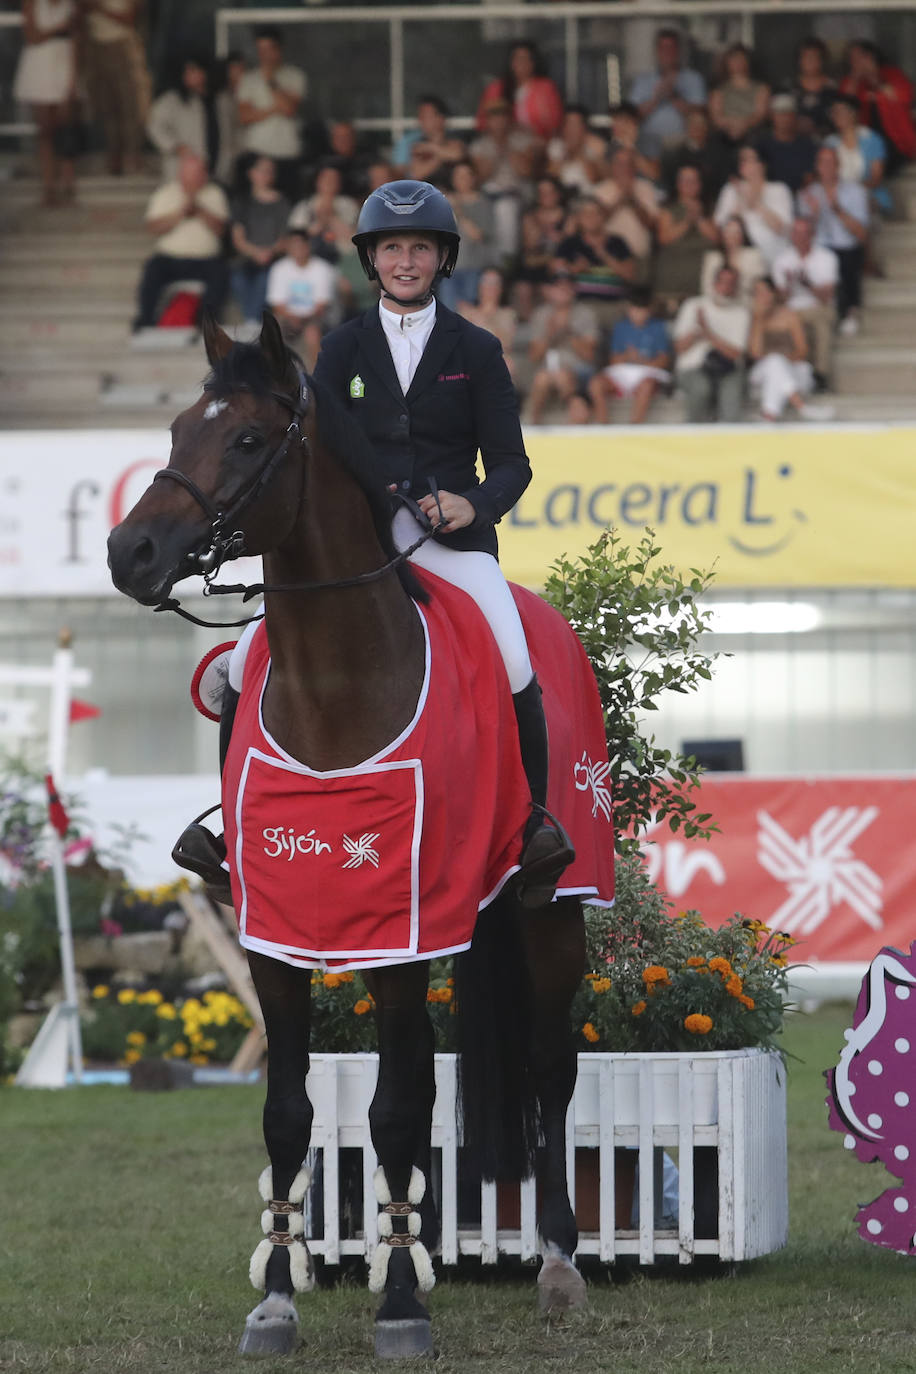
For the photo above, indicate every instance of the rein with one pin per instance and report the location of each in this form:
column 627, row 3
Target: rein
column 224, row 548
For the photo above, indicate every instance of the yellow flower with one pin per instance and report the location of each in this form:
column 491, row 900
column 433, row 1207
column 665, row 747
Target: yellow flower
column 166, row 1011
column 135, row 1038
column 722, row 966
column 785, row 939
column 638, row 1008
column 198, row 1059
column 153, row 998
column 697, row 1023
column 696, row 961
column 591, row 1035
column 601, row 985
column 655, row 973
column 126, row 996
column 100, row 990
column 131, row 1057
column 361, row 1007
column 779, row 960
column 179, row 1049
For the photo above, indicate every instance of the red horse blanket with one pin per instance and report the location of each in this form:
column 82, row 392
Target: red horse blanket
column 390, row 861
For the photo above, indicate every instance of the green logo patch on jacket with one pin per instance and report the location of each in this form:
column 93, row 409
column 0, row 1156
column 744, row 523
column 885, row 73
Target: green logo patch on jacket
column 357, row 387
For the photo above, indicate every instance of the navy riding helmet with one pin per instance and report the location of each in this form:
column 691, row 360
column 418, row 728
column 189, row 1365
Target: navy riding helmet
column 406, row 207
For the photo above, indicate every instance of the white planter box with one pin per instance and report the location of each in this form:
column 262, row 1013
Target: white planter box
column 732, row 1102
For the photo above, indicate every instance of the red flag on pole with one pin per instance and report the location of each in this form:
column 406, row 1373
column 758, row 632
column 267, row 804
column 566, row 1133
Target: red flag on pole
column 58, row 816
column 83, row 710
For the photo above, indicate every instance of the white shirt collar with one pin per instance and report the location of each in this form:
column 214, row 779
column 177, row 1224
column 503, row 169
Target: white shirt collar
column 407, row 337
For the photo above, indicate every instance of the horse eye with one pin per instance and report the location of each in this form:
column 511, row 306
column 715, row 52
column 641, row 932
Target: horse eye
column 249, row 443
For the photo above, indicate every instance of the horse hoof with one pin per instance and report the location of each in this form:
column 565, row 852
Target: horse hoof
column 272, row 1328
column 409, row 1338
column 560, row 1285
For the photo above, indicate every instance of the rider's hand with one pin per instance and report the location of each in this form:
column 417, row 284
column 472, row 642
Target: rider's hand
column 457, row 511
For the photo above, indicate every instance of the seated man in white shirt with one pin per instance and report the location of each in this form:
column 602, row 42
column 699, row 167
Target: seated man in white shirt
column 301, row 290
column 188, row 217
column 710, row 339
column 807, row 274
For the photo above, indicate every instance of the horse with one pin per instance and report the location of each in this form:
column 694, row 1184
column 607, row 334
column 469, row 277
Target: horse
column 267, row 464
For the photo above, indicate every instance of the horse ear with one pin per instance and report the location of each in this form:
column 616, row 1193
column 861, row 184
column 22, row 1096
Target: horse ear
column 273, row 346
column 216, row 341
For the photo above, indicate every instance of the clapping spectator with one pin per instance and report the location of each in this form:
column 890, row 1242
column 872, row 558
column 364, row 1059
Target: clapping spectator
column 183, row 119
column 778, row 351
column 631, row 203
column 738, row 252
column 188, row 218
column 640, row 360
column 258, row 233
column 565, row 337
column 740, row 105
column 429, row 152
column 807, row 274
column 46, row 81
column 601, row 264
column 885, row 96
column 814, row 88
column 328, row 216
column 533, row 98
column 625, row 131
column 474, row 217
column 269, row 99
column 685, row 233
column 575, row 156
column 764, row 207
column 301, row 289
column 117, row 78
column 839, row 210
column 787, row 153
column 664, row 96
column 506, row 158
column 710, row 338
column 701, row 147
column 544, row 227
column 491, row 312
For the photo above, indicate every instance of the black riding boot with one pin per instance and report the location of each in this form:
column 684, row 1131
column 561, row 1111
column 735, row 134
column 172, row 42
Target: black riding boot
column 546, row 849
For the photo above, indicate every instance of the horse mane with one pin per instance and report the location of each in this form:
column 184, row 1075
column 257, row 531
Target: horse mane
column 245, row 368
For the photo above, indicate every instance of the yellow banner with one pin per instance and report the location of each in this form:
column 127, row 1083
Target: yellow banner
column 776, row 507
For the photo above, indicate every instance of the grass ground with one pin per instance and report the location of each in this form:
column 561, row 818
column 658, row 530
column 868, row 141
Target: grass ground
column 126, row 1222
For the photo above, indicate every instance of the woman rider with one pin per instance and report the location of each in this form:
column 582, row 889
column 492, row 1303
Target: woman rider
column 430, row 389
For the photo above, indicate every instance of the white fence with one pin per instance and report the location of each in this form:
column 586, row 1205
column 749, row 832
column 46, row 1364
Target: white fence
column 728, row 1106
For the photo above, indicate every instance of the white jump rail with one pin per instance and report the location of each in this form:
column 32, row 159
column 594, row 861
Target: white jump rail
column 732, row 1101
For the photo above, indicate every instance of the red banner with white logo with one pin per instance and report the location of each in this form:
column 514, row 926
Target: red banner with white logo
column 830, row 861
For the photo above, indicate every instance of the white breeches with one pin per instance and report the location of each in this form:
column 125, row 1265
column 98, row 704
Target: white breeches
column 777, row 378
column 628, row 376
column 480, row 576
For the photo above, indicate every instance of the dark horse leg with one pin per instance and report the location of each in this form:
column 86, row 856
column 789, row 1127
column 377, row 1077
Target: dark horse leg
column 400, row 1122
column 281, row 1264
column 554, row 941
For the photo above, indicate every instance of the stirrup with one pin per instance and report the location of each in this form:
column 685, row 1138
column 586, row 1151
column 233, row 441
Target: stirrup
column 547, row 852
column 202, row 853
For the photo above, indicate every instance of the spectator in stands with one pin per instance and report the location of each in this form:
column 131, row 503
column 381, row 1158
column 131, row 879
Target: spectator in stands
column 575, row 156
column 601, row 264
column 492, row 313
column 807, row 274
column 632, row 205
column 703, row 148
column 46, row 81
column 787, row 153
column 778, row 350
column 664, row 96
column 506, row 159
column 839, row 210
column 301, row 289
column 228, row 75
column 565, row 337
column 544, row 227
column 625, row 130
column 813, row 89
column 639, row 360
column 885, row 96
column 764, row 206
column 862, row 152
column 533, row 98
column 328, row 216
column 710, row 338
column 475, row 220
column 428, row 152
column 117, row 79
column 269, row 99
column 188, row 217
column 258, row 236
column 348, row 157
column 685, row 233
column 739, row 106
column 183, row 119
column 738, row 252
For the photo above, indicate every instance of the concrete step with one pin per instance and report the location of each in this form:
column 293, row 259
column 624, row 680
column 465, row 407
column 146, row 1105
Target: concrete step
column 890, row 294
column 870, row 371
column 28, row 249
column 100, row 277
column 97, row 219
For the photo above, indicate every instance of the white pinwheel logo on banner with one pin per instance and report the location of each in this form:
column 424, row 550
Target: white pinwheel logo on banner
column 361, row 851
column 820, row 870
column 594, row 775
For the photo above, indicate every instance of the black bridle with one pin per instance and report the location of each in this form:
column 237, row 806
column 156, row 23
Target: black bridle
column 225, row 547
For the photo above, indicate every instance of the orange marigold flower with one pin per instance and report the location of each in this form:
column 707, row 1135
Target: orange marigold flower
column 591, row 1035
column 333, row 980
column 655, row 973
column 345, row 977
column 746, row 1001
column 362, row 1006
column 638, row 1008
column 720, row 965
column 601, row 985
column 696, row 961
column 734, row 986
column 697, row 1023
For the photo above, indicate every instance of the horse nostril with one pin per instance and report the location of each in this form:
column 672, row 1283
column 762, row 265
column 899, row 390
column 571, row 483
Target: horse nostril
column 144, row 554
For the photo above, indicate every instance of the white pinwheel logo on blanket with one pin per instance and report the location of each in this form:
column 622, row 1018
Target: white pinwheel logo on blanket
column 361, row 851
column 587, row 774
column 820, row 869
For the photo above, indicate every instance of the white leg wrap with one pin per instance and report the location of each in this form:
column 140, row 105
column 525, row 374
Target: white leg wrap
column 423, row 1265
column 300, row 1269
